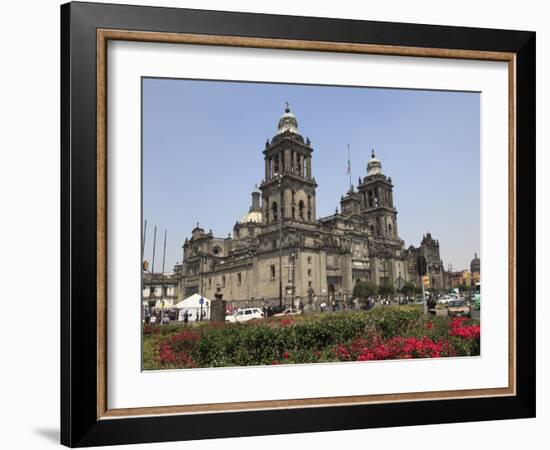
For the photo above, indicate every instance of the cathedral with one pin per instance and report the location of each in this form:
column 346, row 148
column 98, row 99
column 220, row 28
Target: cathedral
column 281, row 253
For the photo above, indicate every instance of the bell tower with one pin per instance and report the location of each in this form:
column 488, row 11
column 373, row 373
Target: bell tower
column 288, row 188
column 376, row 196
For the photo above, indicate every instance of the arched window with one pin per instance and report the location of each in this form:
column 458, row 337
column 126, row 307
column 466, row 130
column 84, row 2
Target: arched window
column 275, row 211
column 301, row 210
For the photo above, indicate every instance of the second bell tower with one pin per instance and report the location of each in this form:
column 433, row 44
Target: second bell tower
column 288, row 188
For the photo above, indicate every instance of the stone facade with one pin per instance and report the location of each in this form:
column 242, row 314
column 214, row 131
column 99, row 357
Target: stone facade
column 429, row 248
column 281, row 252
column 161, row 290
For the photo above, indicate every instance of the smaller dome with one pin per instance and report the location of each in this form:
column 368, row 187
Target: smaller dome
column 475, row 264
column 253, row 216
column 288, row 122
column 374, row 167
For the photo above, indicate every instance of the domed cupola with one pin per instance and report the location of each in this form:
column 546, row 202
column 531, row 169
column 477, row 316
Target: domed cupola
column 288, row 121
column 374, row 167
column 475, row 264
column 255, row 212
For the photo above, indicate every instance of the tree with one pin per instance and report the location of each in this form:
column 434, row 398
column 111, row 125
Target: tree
column 364, row 290
column 386, row 290
column 408, row 289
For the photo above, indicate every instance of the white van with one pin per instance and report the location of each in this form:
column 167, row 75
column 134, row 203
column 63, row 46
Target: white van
column 244, row 315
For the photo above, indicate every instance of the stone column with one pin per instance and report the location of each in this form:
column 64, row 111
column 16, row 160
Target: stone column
column 265, row 205
column 308, row 162
column 288, row 162
column 254, row 279
column 374, row 270
column 288, row 203
column 323, row 289
column 346, row 268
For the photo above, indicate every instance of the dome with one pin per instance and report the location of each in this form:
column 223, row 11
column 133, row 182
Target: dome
column 288, row 122
column 252, row 216
column 374, row 167
column 475, row 264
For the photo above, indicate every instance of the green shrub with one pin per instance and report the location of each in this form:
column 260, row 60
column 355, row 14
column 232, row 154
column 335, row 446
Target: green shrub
column 300, row 339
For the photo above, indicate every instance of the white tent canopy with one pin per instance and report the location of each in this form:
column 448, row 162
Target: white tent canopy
column 192, row 305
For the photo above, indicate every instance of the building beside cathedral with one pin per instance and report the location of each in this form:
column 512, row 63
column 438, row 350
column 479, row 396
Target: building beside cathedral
column 429, row 248
column 280, row 251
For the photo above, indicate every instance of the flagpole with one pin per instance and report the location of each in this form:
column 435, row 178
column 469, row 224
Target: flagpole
column 162, row 280
column 349, row 169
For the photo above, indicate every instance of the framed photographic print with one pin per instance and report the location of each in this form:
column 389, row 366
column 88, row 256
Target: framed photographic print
column 277, row 224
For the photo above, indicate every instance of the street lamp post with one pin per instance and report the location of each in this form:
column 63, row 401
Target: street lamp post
column 384, row 271
column 293, row 283
column 201, row 282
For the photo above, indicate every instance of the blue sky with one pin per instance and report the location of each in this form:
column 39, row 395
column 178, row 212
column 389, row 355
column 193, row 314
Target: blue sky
column 203, row 143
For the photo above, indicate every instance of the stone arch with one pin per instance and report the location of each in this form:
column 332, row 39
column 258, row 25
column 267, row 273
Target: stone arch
column 301, row 209
column 275, row 211
column 331, row 291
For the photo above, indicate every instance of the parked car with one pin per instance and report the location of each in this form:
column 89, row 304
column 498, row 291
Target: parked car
column 288, row 312
column 244, row 315
column 459, row 308
column 445, row 300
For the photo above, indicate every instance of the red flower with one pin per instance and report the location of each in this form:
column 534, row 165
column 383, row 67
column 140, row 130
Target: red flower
column 286, row 322
column 274, row 362
column 465, row 332
column 286, row 355
column 471, row 332
column 429, row 325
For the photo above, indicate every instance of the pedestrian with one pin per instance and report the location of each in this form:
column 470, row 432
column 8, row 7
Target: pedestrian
column 185, row 318
column 301, row 306
column 153, row 319
column 432, row 305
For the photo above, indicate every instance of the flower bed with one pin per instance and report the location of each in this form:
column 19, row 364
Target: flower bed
column 383, row 333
